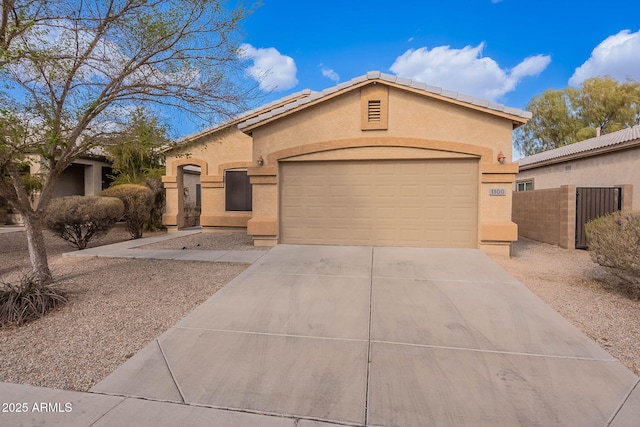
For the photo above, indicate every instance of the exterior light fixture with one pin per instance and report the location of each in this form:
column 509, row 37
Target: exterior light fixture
column 260, row 161
column 501, row 157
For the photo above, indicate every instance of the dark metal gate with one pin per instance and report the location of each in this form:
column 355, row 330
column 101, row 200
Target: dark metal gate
column 592, row 203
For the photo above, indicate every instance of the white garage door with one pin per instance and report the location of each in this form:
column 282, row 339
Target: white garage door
column 432, row 203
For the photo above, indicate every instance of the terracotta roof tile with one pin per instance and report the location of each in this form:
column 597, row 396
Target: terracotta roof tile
column 377, row 75
column 609, row 140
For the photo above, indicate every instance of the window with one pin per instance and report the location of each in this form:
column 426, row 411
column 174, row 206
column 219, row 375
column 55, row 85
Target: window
column 237, row 191
column 524, row 185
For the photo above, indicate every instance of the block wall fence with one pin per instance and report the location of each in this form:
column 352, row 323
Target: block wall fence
column 549, row 215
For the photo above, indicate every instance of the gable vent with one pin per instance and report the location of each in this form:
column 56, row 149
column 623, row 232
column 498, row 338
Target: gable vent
column 375, row 111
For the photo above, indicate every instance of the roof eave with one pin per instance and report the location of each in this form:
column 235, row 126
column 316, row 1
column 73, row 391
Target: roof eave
column 417, row 88
column 582, row 154
column 194, row 137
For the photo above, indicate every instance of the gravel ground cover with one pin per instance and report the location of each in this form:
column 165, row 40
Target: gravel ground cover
column 236, row 240
column 115, row 308
column 583, row 292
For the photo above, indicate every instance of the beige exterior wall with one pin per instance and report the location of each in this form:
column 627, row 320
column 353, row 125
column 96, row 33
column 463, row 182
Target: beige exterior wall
column 416, row 116
column 547, row 215
column 82, row 178
column 604, row 170
column 418, row 126
column 214, row 153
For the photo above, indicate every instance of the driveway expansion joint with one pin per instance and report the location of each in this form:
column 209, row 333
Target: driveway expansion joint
column 367, row 389
column 270, row 334
column 624, row 401
column 173, row 377
column 511, row 353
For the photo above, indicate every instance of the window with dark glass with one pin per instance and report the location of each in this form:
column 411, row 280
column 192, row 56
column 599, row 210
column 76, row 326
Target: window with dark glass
column 237, row 191
column 524, row 185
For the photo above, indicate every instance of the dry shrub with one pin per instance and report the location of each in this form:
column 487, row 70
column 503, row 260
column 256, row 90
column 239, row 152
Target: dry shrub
column 614, row 242
column 79, row 219
column 27, row 301
column 158, row 195
column 138, row 202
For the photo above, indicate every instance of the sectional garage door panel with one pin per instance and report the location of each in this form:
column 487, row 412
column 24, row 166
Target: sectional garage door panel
column 395, row 202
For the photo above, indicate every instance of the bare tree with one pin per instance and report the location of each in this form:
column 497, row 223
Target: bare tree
column 72, row 70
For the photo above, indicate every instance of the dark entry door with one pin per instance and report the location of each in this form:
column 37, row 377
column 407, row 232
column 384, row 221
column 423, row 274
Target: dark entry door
column 592, row 203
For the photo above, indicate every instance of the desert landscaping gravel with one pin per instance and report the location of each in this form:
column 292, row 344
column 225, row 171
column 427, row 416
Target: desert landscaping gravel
column 117, row 306
column 217, row 240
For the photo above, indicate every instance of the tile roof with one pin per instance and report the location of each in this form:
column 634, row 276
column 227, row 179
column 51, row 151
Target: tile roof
column 245, row 115
column 599, row 143
column 376, row 75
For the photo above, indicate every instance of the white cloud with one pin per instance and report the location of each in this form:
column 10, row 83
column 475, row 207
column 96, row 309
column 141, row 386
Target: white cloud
column 465, row 70
column 618, row 56
column 330, row 74
column 271, row 69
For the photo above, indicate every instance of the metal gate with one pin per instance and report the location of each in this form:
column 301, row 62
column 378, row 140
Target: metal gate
column 592, row 203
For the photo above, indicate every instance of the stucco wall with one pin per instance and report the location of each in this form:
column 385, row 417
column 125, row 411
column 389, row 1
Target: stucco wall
column 605, row 170
column 418, row 126
column 214, row 153
column 410, row 116
column 547, row 215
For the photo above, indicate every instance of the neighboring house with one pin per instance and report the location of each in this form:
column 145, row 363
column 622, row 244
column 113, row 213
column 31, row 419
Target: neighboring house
column 575, row 184
column 86, row 176
column 605, row 161
column 378, row 160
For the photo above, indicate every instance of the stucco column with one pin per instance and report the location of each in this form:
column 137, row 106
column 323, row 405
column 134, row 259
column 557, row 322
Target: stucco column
column 92, row 179
column 173, row 218
column 497, row 231
column 212, row 200
column 263, row 225
column 627, row 196
column 567, row 208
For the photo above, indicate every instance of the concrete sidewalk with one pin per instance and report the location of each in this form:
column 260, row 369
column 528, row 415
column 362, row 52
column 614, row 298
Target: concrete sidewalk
column 130, row 249
column 316, row 336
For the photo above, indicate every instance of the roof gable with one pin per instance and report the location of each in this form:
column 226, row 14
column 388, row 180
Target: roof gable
column 518, row 116
column 240, row 118
column 629, row 137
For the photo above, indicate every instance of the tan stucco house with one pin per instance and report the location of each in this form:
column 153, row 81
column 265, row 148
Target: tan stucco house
column 87, row 175
column 605, row 161
column 377, row 160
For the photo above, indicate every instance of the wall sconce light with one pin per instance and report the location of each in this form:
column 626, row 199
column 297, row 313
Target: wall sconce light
column 501, row 157
column 260, row 161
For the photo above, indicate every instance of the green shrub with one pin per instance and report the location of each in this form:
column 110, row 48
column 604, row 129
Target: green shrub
column 79, row 219
column 138, row 202
column 614, row 242
column 27, row 301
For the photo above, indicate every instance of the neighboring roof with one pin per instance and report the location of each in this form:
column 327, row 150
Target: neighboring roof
column 589, row 147
column 399, row 81
column 241, row 117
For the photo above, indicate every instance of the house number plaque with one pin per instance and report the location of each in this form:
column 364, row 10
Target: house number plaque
column 497, row 192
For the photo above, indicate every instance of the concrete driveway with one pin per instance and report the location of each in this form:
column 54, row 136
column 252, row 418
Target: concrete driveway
column 314, row 335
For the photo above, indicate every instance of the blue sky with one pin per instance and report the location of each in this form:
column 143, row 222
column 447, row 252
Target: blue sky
column 506, row 51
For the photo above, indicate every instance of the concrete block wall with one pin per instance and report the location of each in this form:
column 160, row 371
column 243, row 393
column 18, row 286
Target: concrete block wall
column 547, row 215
